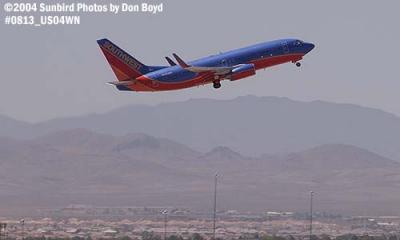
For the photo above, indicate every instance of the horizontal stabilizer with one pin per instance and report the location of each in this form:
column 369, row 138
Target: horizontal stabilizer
column 122, row 83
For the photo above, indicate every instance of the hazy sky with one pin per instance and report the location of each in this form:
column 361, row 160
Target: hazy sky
column 59, row 71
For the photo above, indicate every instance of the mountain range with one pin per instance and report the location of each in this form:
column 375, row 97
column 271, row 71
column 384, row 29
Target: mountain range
column 79, row 166
column 251, row 125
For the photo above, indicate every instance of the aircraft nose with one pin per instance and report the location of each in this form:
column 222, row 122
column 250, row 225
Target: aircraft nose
column 308, row 47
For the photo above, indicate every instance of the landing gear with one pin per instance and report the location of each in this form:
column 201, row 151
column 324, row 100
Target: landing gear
column 298, row 64
column 216, row 84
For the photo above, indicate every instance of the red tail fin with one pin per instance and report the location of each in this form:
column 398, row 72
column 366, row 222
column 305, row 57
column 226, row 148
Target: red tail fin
column 124, row 65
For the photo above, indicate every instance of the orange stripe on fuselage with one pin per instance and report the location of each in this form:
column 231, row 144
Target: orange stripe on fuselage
column 145, row 83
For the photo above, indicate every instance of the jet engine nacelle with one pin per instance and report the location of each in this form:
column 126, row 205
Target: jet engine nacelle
column 242, row 71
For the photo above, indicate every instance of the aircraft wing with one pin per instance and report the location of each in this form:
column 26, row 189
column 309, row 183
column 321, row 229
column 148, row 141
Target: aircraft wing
column 215, row 70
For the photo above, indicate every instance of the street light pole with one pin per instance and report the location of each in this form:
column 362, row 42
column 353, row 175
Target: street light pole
column 215, row 204
column 311, row 212
column 165, row 213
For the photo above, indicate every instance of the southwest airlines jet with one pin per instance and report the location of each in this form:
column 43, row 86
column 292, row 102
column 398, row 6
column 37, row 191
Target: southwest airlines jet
column 237, row 64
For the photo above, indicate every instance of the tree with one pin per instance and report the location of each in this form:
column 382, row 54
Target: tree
column 150, row 236
column 324, row 237
column 196, row 236
column 125, row 238
column 175, row 237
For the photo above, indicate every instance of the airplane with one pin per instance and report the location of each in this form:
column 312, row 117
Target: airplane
column 233, row 65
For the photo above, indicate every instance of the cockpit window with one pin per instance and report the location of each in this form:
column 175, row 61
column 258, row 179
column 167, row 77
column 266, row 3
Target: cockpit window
column 298, row 43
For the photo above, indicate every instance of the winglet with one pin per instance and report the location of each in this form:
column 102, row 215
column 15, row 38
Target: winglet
column 180, row 61
column 169, row 60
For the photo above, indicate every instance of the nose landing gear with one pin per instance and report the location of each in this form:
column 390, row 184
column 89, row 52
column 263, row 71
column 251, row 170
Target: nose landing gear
column 216, row 84
column 298, row 64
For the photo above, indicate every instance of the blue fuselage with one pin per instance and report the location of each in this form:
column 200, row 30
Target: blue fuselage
column 231, row 58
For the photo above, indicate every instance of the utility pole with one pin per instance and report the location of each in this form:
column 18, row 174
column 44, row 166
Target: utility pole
column 215, row 204
column 22, row 221
column 311, row 212
column 165, row 213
